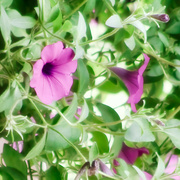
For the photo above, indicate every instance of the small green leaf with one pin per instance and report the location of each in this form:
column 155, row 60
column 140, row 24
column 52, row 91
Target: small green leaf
column 90, row 5
column 37, row 149
column 93, row 153
column 174, row 134
column 139, row 25
column 57, row 23
column 71, row 110
column 102, row 141
column 5, row 25
column 160, row 168
column 163, row 37
column 109, row 115
column 84, row 112
column 140, row 172
column 83, row 75
column 66, row 26
column 55, row 11
column 130, row 43
column 14, row 159
column 114, row 21
column 81, row 27
column 9, row 97
column 139, row 132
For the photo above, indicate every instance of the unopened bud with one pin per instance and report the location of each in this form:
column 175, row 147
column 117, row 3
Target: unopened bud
column 161, row 17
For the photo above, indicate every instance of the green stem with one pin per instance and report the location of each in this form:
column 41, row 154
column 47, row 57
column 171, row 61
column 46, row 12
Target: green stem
column 74, row 10
column 100, row 38
column 69, row 142
column 173, row 113
column 30, row 173
column 61, row 39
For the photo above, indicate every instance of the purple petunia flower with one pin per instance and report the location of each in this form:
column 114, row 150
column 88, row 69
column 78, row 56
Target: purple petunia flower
column 133, row 80
column 52, row 78
column 129, row 154
column 161, row 17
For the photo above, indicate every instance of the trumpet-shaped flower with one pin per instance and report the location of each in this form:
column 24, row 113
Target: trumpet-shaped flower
column 129, row 154
column 52, row 78
column 133, row 80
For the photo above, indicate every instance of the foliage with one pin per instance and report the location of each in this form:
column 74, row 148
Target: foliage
column 95, row 119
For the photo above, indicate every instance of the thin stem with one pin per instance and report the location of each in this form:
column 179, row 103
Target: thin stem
column 54, row 108
column 63, row 40
column 69, row 142
column 173, row 113
column 100, row 38
column 30, row 173
column 75, row 9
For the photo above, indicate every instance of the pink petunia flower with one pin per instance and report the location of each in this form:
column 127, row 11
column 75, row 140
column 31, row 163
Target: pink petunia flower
column 133, row 80
column 172, row 162
column 129, row 154
column 52, row 78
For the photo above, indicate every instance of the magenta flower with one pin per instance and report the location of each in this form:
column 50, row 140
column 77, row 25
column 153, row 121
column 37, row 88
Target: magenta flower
column 129, row 154
column 133, row 80
column 52, row 78
column 161, row 17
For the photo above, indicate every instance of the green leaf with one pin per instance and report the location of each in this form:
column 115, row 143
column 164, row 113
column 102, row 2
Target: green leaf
column 66, row 26
column 6, row 3
column 139, row 132
column 55, row 141
column 163, row 37
column 81, row 27
column 93, row 153
column 37, row 149
column 12, row 173
column 140, row 172
column 55, row 11
column 174, row 28
column 24, row 22
column 14, row 159
column 109, row 115
column 52, row 174
column 174, row 134
column 71, row 110
column 90, row 5
column 5, row 25
column 139, row 25
column 130, row 43
column 160, row 168
column 114, row 21
column 83, row 75
column 101, row 140
column 9, row 97
column 84, row 113
column 57, row 23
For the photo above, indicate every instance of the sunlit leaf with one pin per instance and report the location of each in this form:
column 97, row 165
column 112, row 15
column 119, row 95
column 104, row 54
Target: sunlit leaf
column 114, row 21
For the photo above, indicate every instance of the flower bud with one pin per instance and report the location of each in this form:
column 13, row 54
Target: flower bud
column 161, row 17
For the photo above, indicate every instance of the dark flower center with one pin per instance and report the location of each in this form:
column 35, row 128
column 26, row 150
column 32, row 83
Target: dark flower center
column 47, row 69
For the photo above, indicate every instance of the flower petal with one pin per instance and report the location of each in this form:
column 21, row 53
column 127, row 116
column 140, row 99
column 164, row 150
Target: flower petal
column 173, row 161
column 143, row 67
column 52, row 52
column 37, row 71
column 67, row 68
column 148, row 176
column 66, row 56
